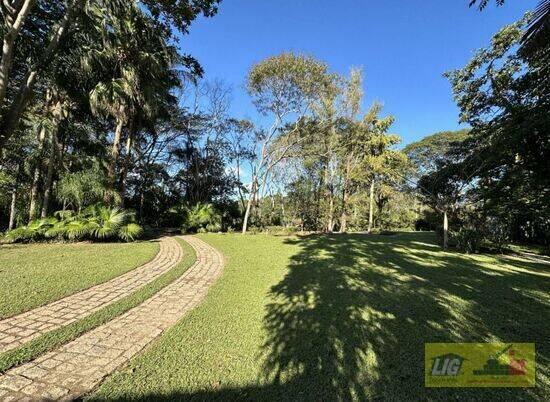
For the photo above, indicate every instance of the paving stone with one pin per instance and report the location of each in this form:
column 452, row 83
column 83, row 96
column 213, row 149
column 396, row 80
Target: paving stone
column 24, row 327
column 74, row 369
column 14, row 382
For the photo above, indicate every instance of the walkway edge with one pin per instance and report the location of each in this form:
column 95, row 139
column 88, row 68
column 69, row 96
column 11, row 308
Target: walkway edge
column 24, row 327
column 76, row 368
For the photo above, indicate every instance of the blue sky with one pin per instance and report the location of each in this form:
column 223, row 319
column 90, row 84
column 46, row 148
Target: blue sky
column 404, row 46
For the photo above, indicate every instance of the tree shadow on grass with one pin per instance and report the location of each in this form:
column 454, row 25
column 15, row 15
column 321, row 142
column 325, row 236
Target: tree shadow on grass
column 350, row 319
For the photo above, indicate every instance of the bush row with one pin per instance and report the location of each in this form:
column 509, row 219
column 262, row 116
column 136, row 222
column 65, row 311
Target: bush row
column 96, row 222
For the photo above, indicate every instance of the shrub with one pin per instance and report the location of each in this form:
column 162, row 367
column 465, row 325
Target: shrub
column 497, row 233
column 201, row 218
column 468, row 240
column 213, row 227
column 84, row 188
column 97, row 222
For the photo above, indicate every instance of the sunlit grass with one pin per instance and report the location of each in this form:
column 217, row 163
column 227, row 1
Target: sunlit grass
column 60, row 336
column 35, row 274
column 339, row 318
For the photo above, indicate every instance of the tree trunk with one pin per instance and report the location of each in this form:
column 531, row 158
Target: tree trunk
column 36, row 174
column 12, row 208
column 126, row 164
column 247, row 215
column 445, row 231
column 13, row 22
column 18, row 106
column 111, row 172
column 249, row 204
column 345, row 199
column 327, row 195
column 49, row 174
column 330, row 226
column 239, row 191
column 371, row 206
column 283, row 213
column 344, row 216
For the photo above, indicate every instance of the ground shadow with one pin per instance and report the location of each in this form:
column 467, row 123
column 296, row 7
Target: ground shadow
column 157, row 233
column 350, row 319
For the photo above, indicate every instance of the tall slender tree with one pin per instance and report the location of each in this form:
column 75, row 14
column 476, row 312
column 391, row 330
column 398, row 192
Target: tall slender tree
column 285, row 87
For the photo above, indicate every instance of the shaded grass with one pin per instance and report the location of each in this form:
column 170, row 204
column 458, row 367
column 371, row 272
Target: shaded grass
column 32, row 275
column 323, row 318
column 530, row 248
column 65, row 334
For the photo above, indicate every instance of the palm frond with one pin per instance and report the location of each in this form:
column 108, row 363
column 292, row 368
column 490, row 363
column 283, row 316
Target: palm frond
column 58, row 230
column 76, row 230
column 20, row 234
column 537, row 34
column 481, row 4
column 130, row 232
column 104, row 231
column 96, row 222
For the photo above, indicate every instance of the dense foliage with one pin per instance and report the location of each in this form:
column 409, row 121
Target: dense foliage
column 493, row 182
column 93, row 223
column 105, row 118
column 201, row 218
column 122, row 120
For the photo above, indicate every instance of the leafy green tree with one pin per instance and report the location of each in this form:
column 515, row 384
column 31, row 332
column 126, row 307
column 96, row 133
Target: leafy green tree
column 353, row 96
column 504, row 96
column 284, row 87
column 374, row 145
column 49, row 23
column 432, row 151
column 445, row 190
column 123, row 95
column 439, row 188
column 81, row 189
column 16, row 13
column 124, row 54
column 537, row 34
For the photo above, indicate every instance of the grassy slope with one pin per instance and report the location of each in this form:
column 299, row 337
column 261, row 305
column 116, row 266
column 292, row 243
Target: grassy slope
column 32, row 275
column 340, row 317
column 65, row 334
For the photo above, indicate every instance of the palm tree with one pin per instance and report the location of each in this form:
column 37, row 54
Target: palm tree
column 15, row 13
column 140, row 87
column 114, row 98
column 538, row 34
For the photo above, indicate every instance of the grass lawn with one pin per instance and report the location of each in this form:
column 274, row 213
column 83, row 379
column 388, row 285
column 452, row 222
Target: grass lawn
column 48, row 341
column 532, row 249
column 32, row 275
column 326, row 318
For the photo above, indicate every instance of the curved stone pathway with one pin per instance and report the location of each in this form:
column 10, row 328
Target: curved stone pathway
column 78, row 367
column 22, row 328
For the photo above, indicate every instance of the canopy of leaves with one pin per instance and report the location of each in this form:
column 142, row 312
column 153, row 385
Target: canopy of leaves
column 180, row 13
column 432, row 151
column 505, row 97
column 287, row 83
